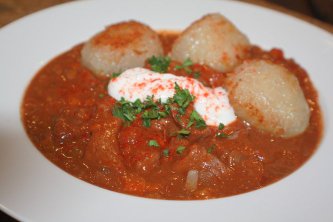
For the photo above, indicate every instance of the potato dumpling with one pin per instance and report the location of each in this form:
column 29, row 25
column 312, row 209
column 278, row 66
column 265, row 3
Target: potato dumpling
column 119, row 47
column 212, row 40
column 269, row 97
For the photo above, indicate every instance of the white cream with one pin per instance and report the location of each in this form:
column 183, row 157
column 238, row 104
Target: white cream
column 138, row 83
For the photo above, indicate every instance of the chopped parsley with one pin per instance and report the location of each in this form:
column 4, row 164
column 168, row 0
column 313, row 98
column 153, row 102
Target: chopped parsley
column 101, row 95
column 221, row 135
column 115, row 75
column 159, row 64
column 123, row 113
column 183, row 98
column 196, row 75
column 183, row 132
column 153, row 143
column 151, row 109
column 150, row 103
column 221, row 126
column 146, row 122
column 185, row 66
column 127, row 110
column 151, row 114
column 211, row 148
column 196, row 119
column 180, row 149
column 165, row 152
column 167, row 106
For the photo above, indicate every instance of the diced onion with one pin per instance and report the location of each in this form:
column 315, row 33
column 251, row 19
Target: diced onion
column 192, row 180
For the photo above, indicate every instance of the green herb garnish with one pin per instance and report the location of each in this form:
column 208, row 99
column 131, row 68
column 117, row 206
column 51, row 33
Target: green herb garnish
column 115, row 75
column 159, row 64
column 196, row 75
column 151, row 114
column 101, row 95
column 180, row 149
column 183, row 98
column 211, row 148
column 165, row 152
column 125, row 112
column 139, row 106
column 151, row 109
column 150, row 103
column 183, row 132
column 153, row 143
column 146, row 122
column 196, row 119
column 221, row 135
column 221, row 126
column 186, row 66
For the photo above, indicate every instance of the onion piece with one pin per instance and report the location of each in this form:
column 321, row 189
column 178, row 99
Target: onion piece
column 192, row 180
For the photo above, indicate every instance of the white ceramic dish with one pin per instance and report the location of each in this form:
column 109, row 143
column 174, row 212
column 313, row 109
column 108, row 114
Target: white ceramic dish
column 33, row 189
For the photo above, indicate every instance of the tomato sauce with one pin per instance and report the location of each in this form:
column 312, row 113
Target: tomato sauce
column 67, row 113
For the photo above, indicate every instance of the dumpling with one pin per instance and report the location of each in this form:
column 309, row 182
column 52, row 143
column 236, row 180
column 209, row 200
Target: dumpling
column 269, row 97
column 214, row 41
column 119, row 47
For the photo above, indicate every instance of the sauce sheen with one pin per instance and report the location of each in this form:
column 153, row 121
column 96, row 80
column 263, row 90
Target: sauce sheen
column 67, row 113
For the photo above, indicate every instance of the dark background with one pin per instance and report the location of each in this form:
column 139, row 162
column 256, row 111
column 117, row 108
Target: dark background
column 318, row 9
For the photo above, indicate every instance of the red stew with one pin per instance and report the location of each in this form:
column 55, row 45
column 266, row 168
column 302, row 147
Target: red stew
column 67, row 114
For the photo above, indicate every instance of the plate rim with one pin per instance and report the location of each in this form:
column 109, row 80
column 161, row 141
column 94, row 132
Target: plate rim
column 19, row 21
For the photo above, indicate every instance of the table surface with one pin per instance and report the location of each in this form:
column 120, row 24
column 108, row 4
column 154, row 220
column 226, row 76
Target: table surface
column 11, row 10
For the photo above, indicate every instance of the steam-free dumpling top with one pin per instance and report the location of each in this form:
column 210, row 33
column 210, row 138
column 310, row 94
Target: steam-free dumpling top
column 212, row 40
column 269, row 97
column 119, row 47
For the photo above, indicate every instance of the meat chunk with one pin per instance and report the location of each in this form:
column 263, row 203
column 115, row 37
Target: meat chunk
column 103, row 146
column 138, row 154
column 210, row 168
column 212, row 40
column 269, row 97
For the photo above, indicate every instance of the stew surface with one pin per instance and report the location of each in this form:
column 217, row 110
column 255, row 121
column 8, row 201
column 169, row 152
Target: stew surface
column 67, row 113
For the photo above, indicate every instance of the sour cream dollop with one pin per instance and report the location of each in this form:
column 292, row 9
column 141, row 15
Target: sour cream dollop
column 138, row 83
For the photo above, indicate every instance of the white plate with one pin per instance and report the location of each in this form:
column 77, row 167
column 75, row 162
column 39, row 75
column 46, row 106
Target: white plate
column 33, row 189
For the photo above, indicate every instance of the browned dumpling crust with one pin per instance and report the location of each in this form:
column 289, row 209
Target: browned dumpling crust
column 269, row 97
column 212, row 40
column 119, row 47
